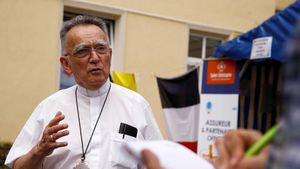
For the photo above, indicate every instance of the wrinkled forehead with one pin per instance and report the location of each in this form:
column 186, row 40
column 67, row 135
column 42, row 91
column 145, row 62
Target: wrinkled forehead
column 85, row 34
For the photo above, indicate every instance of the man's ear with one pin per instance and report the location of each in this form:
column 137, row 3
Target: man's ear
column 110, row 53
column 65, row 63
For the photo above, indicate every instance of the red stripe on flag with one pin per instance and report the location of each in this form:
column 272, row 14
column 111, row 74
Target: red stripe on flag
column 190, row 145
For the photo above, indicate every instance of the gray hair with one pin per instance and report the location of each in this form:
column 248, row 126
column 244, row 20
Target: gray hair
column 80, row 20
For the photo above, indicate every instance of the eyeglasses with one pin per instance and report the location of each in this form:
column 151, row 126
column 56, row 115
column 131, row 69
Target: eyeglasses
column 84, row 50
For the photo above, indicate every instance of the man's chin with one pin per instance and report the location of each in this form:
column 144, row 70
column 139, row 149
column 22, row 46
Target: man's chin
column 97, row 84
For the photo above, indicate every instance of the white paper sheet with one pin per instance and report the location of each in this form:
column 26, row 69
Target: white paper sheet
column 261, row 48
column 170, row 154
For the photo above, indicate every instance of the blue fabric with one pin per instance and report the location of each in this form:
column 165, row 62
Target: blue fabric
column 280, row 26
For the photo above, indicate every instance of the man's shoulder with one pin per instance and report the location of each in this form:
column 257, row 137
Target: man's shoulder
column 127, row 93
column 60, row 94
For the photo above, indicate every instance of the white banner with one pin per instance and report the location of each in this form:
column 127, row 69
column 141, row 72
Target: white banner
column 218, row 115
column 218, row 104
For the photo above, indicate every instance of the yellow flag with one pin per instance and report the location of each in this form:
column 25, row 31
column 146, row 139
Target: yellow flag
column 124, row 79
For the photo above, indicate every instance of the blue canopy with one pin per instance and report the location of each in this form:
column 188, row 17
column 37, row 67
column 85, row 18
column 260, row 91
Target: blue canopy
column 279, row 26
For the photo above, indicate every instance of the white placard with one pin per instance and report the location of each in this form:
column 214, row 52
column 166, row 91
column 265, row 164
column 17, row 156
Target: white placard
column 261, row 48
column 218, row 116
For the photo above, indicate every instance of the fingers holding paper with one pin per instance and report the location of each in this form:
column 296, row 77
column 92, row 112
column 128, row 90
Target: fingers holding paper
column 52, row 132
column 232, row 147
column 150, row 160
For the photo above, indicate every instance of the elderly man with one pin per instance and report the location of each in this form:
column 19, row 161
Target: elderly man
column 84, row 126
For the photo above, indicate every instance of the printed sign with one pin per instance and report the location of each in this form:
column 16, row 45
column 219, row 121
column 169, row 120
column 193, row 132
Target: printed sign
column 221, row 72
column 219, row 104
column 261, row 48
column 218, row 116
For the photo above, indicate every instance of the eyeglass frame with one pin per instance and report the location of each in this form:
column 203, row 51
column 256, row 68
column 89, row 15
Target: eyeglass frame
column 90, row 48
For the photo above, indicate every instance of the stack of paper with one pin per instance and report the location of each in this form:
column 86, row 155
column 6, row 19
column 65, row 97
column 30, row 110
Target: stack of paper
column 170, row 154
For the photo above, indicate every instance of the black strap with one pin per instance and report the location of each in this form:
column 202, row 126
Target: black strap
column 81, row 139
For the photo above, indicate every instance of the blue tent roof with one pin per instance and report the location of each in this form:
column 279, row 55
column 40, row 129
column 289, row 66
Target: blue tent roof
column 280, row 26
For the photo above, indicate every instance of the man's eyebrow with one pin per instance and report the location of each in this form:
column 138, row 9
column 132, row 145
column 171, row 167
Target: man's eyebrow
column 101, row 42
column 79, row 47
column 84, row 45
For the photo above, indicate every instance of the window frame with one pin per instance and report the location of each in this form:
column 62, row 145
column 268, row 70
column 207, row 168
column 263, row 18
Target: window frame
column 193, row 61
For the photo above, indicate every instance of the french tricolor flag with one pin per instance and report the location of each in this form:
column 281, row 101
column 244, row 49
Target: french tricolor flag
column 181, row 106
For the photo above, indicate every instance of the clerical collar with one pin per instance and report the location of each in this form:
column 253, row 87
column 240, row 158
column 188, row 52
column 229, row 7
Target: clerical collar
column 94, row 93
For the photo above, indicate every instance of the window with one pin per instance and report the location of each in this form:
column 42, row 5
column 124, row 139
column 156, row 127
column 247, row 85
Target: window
column 67, row 81
column 201, row 46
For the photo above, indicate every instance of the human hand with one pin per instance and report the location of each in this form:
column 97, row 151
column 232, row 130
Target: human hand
column 232, row 147
column 51, row 133
column 150, row 160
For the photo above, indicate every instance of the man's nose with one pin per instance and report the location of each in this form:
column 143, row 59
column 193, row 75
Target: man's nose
column 94, row 57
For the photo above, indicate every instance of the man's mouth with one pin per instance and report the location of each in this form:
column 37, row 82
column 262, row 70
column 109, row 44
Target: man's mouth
column 95, row 70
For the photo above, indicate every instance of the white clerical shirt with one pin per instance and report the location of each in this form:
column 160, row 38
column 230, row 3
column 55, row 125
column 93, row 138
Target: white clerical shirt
column 104, row 152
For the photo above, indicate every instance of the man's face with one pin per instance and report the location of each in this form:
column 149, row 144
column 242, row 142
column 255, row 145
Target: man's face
column 88, row 56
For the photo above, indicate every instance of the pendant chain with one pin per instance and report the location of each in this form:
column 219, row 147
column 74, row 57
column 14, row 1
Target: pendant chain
column 81, row 138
